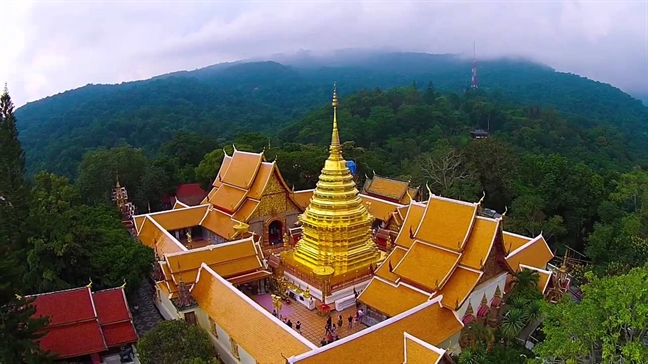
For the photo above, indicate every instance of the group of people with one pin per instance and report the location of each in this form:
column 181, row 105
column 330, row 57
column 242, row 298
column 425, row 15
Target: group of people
column 332, row 329
column 288, row 322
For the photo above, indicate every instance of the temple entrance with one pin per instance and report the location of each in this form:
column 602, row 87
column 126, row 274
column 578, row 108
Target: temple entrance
column 275, row 233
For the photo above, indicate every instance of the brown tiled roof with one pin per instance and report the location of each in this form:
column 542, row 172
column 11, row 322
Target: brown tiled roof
column 480, row 242
column 394, row 258
column 303, row 197
column 411, row 223
column 380, row 209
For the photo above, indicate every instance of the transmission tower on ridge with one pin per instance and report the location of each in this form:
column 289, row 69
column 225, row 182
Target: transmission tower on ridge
column 474, row 83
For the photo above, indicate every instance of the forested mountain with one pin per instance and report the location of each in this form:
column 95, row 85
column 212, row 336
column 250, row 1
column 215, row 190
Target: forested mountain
column 225, row 99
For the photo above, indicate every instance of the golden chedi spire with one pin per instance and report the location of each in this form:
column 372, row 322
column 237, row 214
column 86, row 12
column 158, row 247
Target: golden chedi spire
column 336, row 224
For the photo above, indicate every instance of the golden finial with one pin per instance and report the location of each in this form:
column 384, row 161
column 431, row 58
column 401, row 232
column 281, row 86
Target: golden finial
column 482, row 198
column 225, row 152
column 409, row 196
column 89, row 285
column 18, row 297
column 374, row 172
column 123, row 285
column 335, row 138
column 149, row 206
column 505, row 211
column 117, row 178
column 429, row 190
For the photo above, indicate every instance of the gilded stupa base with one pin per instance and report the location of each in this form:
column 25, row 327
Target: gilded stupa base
column 327, row 284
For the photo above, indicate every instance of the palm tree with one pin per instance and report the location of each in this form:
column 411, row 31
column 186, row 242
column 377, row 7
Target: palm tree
column 533, row 310
column 523, row 281
column 479, row 333
column 512, row 323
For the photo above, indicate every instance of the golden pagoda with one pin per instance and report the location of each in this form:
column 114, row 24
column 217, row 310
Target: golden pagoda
column 336, row 226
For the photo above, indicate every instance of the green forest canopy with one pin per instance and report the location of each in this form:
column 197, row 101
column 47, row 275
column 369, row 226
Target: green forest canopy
column 223, row 100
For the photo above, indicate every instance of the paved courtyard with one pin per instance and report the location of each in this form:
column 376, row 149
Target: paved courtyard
column 312, row 324
column 148, row 316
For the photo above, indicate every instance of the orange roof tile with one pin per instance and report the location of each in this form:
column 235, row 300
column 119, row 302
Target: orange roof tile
column 380, row 209
column 211, row 255
column 402, row 211
column 221, row 171
column 446, row 222
column 165, row 270
column 219, row 223
column 412, row 221
column 246, row 210
column 242, row 169
column 387, row 187
column 413, row 192
column 391, row 299
column 427, row 266
column 261, row 335
column 535, row 253
column 383, row 343
column 459, row 287
column 180, row 218
column 394, row 258
column 261, row 180
column 138, row 220
column 180, row 205
column 479, row 242
column 163, row 288
column 514, row 241
column 228, row 198
column 303, row 197
column 154, row 237
column 419, row 352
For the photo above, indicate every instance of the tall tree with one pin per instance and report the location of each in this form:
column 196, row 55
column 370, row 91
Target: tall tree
column 609, row 325
column 175, row 341
column 18, row 331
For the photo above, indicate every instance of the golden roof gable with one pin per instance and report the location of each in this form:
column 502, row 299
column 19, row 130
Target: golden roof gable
column 418, row 351
column 446, row 222
column 427, row 266
column 408, row 296
column 383, row 342
column 535, row 253
column 263, row 336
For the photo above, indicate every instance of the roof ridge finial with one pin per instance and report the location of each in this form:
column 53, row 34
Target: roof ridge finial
column 335, row 138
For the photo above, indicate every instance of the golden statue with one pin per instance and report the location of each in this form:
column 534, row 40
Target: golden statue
column 307, row 292
column 286, row 240
column 336, row 224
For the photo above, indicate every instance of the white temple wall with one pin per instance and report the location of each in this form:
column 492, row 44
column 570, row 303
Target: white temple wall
column 475, row 297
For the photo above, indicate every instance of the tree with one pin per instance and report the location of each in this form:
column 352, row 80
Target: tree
column 445, row 169
column 528, row 218
column 18, row 330
column 609, row 325
column 173, row 342
column 208, row 167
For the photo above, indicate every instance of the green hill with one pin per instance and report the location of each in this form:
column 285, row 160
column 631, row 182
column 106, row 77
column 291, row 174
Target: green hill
column 223, row 100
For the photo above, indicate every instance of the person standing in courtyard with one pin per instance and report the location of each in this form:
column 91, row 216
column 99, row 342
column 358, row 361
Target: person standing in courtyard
column 340, row 321
column 350, row 322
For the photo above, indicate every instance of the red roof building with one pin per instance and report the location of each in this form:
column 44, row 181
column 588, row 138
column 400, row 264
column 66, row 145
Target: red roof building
column 85, row 323
column 190, row 194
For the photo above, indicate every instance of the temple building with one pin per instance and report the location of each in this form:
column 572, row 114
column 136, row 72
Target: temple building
column 336, row 253
column 85, row 326
column 255, row 254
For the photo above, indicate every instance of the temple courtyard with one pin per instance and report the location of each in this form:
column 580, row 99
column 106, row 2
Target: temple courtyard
column 312, row 324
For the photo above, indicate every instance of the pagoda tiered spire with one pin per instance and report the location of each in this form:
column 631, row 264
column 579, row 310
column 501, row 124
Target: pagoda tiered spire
column 336, row 224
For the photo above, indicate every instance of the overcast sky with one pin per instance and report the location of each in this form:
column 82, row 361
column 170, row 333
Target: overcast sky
column 49, row 47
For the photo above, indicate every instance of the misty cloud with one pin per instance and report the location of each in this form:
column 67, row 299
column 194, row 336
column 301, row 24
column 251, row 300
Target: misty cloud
column 51, row 47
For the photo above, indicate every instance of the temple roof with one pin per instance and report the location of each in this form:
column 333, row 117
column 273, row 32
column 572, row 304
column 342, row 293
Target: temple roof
column 443, row 248
column 303, row 197
column 390, row 189
column 383, row 342
column 418, row 351
column 379, row 208
column 231, row 260
column 544, row 277
column 408, row 296
column 260, row 334
column 190, row 194
column 534, row 253
column 384, row 270
column 97, row 321
column 412, row 220
column 448, row 223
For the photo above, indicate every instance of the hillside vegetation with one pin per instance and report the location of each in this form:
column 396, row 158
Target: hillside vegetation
column 223, row 100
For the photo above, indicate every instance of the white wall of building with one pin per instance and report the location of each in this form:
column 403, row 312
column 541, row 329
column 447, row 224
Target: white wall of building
column 489, row 287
